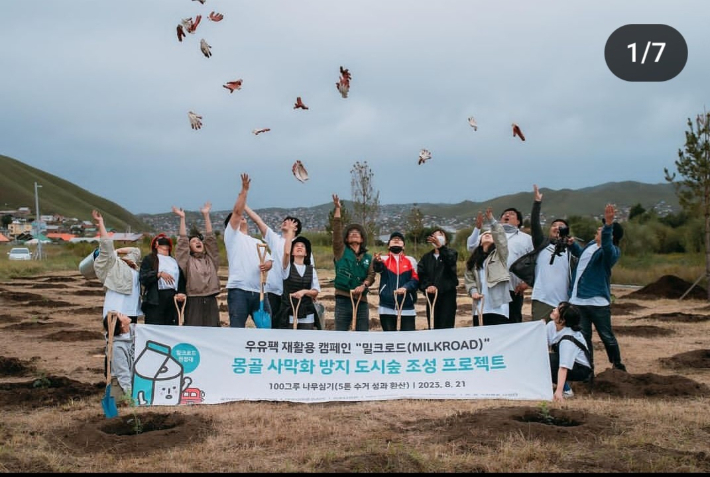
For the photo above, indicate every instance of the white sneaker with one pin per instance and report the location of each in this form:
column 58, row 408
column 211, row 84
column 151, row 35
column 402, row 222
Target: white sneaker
column 568, row 394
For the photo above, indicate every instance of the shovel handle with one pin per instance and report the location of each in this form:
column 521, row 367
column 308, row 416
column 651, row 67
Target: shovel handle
column 398, row 306
column 479, row 310
column 432, row 304
column 295, row 310
column 111, row 318
column 180, row 310
column 355, row 306
column 261, row 250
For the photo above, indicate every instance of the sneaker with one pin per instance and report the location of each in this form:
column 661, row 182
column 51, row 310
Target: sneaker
column 567, row 394
column 620, row 367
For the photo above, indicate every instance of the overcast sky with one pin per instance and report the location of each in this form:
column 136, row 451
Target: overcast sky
column 97, row 93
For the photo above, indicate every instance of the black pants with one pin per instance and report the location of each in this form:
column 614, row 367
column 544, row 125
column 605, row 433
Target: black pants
column 389, row 323
column 165, row 312
column 491, row 319
column 515, row 307
column 577, row 373
column 277, row 321
column 444, row 310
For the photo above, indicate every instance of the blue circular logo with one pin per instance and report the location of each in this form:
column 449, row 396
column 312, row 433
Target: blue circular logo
column 187, row 355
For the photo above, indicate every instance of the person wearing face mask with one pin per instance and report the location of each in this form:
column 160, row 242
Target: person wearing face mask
column 398, row 281
column 486, row 276
column 198, row 256
column 162, row 281
column 438, row 280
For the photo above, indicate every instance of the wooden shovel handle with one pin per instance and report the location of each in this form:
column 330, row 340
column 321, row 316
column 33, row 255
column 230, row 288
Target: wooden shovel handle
column 111, row 318
column 354, row 306
column 398, row 306
column 432, row 303
column 261, row 250
column 180, row 309
column 479, row 310
column 295, row 311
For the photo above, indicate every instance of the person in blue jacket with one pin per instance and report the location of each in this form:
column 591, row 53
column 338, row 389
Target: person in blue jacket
column 591, row 284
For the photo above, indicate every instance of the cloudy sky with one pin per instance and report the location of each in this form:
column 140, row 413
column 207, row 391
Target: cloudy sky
column 97, row 93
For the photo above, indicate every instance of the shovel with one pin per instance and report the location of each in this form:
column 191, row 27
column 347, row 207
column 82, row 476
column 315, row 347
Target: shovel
column 432, row 304
column 479, row 311
column 180, row 310
column 295, row 311
column 354, row 305
column 108, row 402
column 262, row 318
column 398, row 306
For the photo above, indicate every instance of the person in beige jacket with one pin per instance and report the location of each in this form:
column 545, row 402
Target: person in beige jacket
column 486, row 277
column 198, row 257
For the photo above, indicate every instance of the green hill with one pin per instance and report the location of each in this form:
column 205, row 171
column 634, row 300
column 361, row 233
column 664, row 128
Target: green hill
column 58, row 196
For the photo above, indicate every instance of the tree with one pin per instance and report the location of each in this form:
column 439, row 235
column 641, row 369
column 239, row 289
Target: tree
column 366, row 201
column 6, row 220
column 693, row 165
column 636, row 211
column 415, row 226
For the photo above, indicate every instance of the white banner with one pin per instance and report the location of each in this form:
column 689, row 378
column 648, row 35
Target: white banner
column 204, row 365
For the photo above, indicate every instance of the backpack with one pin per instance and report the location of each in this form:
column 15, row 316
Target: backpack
column 584, row 349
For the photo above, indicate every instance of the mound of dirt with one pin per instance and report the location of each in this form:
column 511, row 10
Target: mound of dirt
column 617, row 383
column 699, row 358
column 670, row 286
column 46, row 391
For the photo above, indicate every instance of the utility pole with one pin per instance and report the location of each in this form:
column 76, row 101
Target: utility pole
column 38, row 227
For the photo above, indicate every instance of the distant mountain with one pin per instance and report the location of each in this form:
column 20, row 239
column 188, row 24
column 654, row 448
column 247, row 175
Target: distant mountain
column 589, row 201
column 58, row 196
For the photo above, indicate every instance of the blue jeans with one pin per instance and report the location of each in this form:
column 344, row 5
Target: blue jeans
column 242, row 304
column 600, row 316
column 344, row 314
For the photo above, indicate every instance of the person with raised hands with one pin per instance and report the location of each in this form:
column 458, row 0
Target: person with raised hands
column 198, row 256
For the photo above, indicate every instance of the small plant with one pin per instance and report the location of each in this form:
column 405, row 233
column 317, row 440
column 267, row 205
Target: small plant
column 128, row 400
column 545, row 415
column 42, row 382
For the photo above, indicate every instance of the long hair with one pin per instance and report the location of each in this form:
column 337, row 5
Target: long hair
column 478, row 256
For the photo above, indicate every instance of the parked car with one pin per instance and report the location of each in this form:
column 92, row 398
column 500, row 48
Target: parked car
column 19, row 253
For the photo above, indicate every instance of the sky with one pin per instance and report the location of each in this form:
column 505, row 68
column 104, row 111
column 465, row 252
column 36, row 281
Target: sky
column 98, row 93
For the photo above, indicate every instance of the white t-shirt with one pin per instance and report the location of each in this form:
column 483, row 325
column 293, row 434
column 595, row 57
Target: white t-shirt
column 569, row 351
column 581, row 266
column 243, row 260
column 551, row 281
column 315, row 285
column 169, row 265
column 127, row 304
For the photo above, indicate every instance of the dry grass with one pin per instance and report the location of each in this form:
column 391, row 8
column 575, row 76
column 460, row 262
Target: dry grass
column 654, row 434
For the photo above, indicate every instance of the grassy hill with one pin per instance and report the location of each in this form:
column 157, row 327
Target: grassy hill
column 58, row 196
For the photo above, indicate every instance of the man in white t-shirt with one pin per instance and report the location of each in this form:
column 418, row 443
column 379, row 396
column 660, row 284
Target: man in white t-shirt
column 245, row 267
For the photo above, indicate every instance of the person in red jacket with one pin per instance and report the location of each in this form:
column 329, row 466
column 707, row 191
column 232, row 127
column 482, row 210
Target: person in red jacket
column 399, row 283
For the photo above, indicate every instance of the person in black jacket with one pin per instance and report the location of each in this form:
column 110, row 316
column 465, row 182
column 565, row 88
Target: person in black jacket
column 162, row 281
column 438, row 280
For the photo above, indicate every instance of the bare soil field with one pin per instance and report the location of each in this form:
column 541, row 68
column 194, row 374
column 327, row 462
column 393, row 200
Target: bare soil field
column 655, row 418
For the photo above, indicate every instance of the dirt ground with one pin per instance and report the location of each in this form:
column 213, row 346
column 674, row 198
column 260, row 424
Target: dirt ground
column 51, row 354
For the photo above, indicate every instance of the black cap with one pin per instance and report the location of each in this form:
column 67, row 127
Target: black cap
column 396, row 234
column 617, row 231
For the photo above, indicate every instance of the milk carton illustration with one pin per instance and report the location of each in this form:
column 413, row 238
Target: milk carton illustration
column 158, row 377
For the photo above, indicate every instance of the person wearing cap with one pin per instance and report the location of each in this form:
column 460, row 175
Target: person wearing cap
column 273, row 288
column 300, row 283
column 591, row 284
column 245, row 267
column 438, row 279
column 198, row 256
column 398, row 287
column 162, row 281
column 354, row 274
column 486, row 277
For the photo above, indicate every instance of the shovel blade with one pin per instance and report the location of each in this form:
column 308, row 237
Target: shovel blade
column 109, row 404
column 262, row 319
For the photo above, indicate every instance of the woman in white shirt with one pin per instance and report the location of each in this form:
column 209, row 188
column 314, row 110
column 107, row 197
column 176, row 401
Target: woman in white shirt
column 569, row 357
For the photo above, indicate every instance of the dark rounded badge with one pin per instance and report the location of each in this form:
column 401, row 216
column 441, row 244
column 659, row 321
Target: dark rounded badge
column 646, row 52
